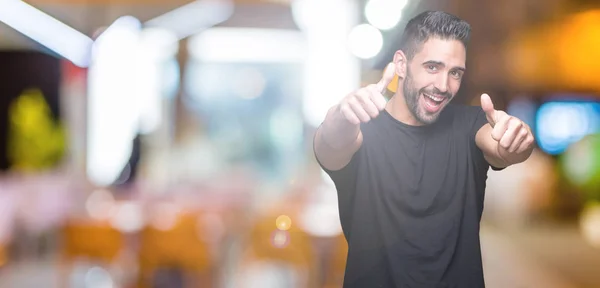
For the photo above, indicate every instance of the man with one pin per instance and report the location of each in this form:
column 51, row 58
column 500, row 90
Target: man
column 410, row 173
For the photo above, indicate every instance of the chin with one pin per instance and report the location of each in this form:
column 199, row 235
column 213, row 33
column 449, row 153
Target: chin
column 427, row 118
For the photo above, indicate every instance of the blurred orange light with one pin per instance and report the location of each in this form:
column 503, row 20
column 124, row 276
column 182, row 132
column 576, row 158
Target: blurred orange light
column 559, row 55
column 283, row 222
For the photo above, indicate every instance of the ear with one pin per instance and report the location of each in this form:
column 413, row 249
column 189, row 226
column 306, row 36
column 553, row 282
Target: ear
column 401, row 63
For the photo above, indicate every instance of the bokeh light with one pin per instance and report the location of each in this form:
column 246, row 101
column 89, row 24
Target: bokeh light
column 98, row 277
column 581, row 165
column 384, row 14
column 560, row 124
column 283, row 222
column 128, row 217
column 590, row 224
column 280, row 239
column 365, row 41
column 100, row 205
column 165, row 216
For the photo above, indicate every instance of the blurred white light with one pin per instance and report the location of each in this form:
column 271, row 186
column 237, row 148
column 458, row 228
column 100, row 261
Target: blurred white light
column 125, row 92
column 194, row 17
column 122, row 25
column 156, row 47
column 100, row 204
column 128, row 218
column 112, row 102
column 384, row 14
column 365, row 41
column 46, row 30
column 330, row 70
column 317, row 14
column 98, row 278
column 158, row 43
column 251, row 45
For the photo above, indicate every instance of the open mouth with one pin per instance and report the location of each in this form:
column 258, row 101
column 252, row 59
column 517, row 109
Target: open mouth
column 433, row 103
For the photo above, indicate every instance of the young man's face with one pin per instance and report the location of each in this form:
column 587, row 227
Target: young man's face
column 433, row 77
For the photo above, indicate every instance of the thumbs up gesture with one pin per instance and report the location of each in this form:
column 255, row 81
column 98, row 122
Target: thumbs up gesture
column 514, row 138
column 365, row 103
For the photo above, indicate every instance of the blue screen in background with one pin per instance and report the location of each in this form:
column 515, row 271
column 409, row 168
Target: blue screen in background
column 523, row 108
column 560, row 124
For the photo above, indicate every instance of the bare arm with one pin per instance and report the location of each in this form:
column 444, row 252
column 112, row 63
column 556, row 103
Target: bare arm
column 336, row 144
column 339, row 136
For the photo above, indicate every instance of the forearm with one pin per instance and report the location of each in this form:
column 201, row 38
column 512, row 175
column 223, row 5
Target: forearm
column 336, row 141
column 337, row 132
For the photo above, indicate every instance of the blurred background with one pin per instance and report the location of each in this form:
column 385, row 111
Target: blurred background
column 169, row 143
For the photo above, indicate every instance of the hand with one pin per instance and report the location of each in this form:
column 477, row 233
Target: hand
column 515, row 140
column 365, row 103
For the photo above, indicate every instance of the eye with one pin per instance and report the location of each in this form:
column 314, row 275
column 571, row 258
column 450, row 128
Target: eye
column 456, row 74
column 432, row 68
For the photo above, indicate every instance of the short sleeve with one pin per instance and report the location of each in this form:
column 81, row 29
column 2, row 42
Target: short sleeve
column 345, row 176
column 480, row 120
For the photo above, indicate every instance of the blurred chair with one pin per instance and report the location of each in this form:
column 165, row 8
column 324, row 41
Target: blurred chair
column 97, row 241
column 336, row 266
column 3, row 254
column 92, row 241
column 176, row 248
column 277, row 252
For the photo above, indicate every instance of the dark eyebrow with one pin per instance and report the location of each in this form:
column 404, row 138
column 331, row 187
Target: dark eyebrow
column 440, row 63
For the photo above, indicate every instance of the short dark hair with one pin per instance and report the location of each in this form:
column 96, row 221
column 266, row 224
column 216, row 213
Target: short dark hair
column 433, row 24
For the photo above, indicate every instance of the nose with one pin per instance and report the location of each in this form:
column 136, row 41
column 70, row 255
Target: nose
column 441, row 82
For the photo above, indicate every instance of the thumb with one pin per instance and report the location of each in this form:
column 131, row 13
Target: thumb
column 388, row 76
column 488, row 107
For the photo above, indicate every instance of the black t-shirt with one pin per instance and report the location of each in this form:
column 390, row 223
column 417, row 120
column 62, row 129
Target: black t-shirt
column 411, row 200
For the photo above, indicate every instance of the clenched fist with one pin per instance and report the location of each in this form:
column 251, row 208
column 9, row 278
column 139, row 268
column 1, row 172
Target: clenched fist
column 515, row 139
column 365, row 103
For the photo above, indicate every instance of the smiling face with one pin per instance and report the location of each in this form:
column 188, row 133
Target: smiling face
column 433, row 78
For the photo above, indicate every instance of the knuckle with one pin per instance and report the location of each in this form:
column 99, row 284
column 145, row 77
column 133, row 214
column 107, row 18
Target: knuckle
column 524, row 132
column 361, row 94
column 351, row 101
column 345, row 108
column 529, row 140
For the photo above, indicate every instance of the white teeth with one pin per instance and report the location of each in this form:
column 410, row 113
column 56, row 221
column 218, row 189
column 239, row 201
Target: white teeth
column 437, row 99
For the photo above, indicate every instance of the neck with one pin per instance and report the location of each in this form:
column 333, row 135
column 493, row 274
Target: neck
column 398, row 108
